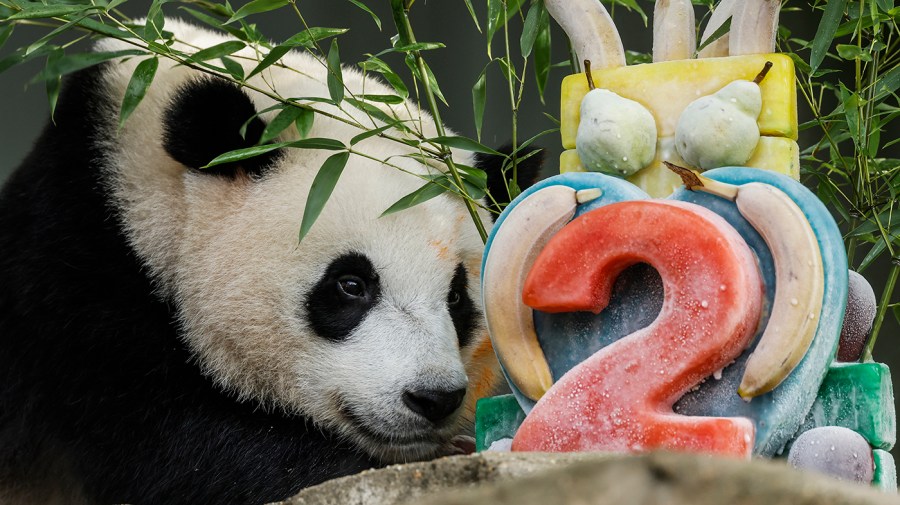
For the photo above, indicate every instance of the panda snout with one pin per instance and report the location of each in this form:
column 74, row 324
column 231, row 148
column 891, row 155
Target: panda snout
column 434, row 404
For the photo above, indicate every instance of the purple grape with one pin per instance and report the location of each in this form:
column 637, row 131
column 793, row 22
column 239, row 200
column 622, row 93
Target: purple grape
column 858, row 318
column 835, row 451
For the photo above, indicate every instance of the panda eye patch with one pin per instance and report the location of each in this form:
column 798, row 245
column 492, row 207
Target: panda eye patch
column 352, row 286
column 462, row 310
column 343, row 296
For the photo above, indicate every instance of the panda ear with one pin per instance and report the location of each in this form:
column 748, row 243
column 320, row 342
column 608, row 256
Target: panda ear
column 204, row 120
column 528, row 170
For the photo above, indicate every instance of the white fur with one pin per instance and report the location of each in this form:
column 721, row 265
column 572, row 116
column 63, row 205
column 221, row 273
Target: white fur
column 226, row 253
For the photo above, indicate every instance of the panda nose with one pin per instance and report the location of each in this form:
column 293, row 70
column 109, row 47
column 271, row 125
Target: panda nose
column 434, row 404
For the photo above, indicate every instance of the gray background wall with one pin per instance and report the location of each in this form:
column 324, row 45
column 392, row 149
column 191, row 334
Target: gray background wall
column 23, row 109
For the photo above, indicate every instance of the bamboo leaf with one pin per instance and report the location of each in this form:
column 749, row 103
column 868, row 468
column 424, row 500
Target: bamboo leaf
column 421, row 195
column 542, row 55
column 873, row 138
column 497, row 17
column 852, row 52
column 38, row 11
column 53, row 85
column 369, row 133
column 432, row 82
column 105, row 29
column 715, row 35
column 47, row 38
column 472, row 191
column 463, row 143
column 831, row 19
column 633, row 5
column 114, row 4
column 321, row 189
column 369, row 11
column 375, row 112
column 20, row 57
column 217, row 51
column 308, row 37
column 155, row 21
column 472, row 14
column 249, row 152
column 335, row 75
column 243, row 154
column 137, row 87
column 475, row 176
column 851, row 102
column 235, row 69
column 304, row 122
column 270, row 59
column 215, row 23
column 5, row 32
column 533, row 24
column 872, row 255
column 389, row 99
column 888, row 84
column 73, row 63
column 256, row 7
column 318, row 143
column 375, row 64
column 479, row 97
column 286, row 117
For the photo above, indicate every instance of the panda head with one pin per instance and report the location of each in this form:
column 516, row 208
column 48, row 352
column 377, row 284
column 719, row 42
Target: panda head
column 370, row 326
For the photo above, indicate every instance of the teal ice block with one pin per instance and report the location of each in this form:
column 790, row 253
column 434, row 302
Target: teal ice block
column 858, row 396
column 496, row 418
column 885, row 471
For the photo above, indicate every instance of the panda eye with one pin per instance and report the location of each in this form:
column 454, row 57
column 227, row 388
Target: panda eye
column 453, row 298
column 351, row 286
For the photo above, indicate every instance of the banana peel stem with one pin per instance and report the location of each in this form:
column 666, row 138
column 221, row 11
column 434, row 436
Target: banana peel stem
column 696, row 182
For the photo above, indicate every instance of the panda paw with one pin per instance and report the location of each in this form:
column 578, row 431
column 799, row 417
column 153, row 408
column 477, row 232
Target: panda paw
column 458, row 445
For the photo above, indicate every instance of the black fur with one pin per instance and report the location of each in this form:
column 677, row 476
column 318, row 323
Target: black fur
column 96, row 387
column 204, row 120
column 334, row 313
column 527, row 171
column 462, row 310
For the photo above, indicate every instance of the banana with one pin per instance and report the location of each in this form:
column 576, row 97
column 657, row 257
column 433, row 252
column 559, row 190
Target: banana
column 674, row 36
column 720, row 15
column 799, row 275
column 590, row 29
column 517, row 243
column 754, row 27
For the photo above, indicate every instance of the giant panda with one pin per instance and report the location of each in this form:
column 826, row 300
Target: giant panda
column 165, row 337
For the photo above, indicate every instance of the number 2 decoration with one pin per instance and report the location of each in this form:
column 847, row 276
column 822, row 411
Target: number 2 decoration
column 601, row 361
column 710, row 312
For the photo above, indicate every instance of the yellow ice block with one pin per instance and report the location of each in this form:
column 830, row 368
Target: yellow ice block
column 666, row 88
column 778, row 154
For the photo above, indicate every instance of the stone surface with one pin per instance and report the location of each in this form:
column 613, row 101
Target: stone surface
column 534, row 478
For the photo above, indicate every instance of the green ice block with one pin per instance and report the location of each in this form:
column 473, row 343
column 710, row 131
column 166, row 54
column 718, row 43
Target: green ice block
column 885, row 471
column 496, row 417
column 858, row 396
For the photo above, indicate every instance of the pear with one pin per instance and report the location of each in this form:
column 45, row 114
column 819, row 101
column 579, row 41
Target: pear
column 720, row 130
column 616, row 135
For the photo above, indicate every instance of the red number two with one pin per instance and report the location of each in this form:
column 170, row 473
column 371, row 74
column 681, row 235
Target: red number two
column 620, row 399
